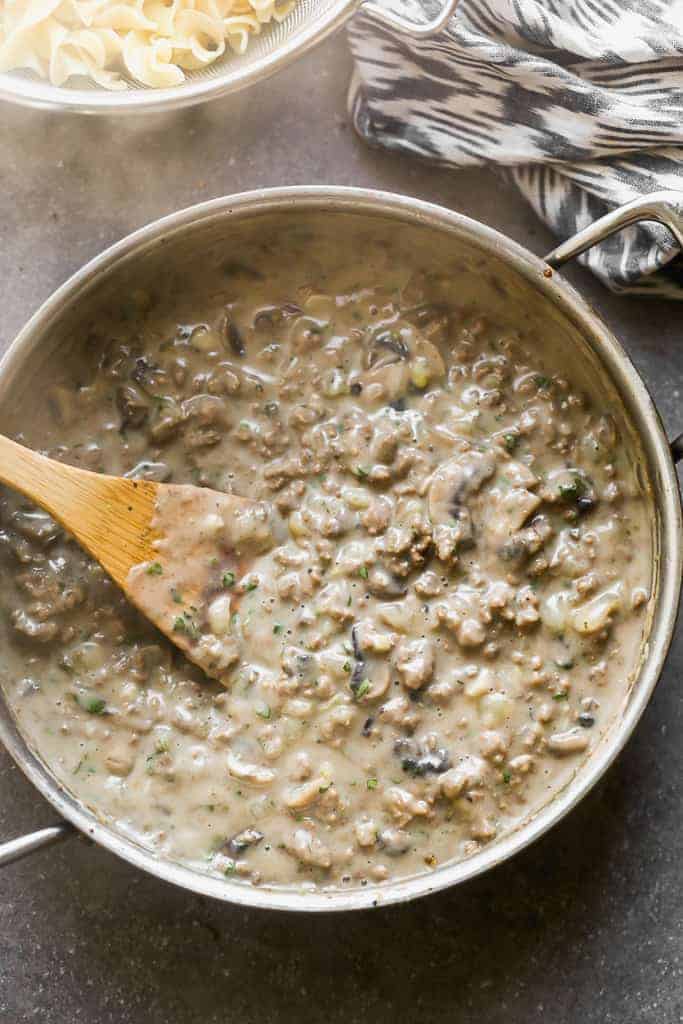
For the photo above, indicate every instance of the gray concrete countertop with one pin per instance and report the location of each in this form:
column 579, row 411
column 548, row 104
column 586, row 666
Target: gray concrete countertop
column 584, row 926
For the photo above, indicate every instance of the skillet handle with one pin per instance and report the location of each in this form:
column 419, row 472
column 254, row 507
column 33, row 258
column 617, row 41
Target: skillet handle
column 658, row 206
column 417, row 29
column 15, row 849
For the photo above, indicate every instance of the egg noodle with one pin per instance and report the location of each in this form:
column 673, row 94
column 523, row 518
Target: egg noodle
column 151, row 41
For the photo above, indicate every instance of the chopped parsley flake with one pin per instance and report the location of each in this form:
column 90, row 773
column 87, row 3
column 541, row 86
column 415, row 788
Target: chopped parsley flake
column 560, row 696
column 263, row 711
column 228, row 579
column 572, row 491
column 362, row 688
column 277, row 628
column 93, row 705
column 184, row 624
column 372, row 783
column 154, row 569
column 363, row 572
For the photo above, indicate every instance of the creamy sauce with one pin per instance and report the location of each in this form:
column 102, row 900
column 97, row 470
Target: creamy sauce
column 422, row 633
column 204, row 539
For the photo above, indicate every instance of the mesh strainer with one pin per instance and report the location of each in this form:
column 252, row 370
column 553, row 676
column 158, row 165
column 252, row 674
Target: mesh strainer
column 278, row 45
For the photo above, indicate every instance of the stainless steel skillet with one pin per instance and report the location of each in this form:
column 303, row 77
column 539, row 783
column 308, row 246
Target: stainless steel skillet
column 540, row 292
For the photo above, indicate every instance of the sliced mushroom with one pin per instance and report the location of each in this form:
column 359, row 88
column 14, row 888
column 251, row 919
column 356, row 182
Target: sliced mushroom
column 508, row 512
column 416, row 760
column 148, row 376
column 241, row 842
column 387, row 346
column 234, row 338
column 306, row 334
column 299, row 663
column 268, row 317
column 528, row 541
column 159, row 472
column 167, row 421
column 375, row 683
column 453, row 484
column 370, row 677
column 132, row 404
column 207, row 410
column 355, row 640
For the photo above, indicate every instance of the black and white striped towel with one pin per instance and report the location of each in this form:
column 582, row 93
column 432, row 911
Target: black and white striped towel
column 581, row 101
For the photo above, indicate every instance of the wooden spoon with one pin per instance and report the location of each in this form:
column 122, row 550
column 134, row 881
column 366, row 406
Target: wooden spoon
column 170, row 547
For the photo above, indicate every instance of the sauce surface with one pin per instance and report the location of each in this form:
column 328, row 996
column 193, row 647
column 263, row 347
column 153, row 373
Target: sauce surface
column 445, row 593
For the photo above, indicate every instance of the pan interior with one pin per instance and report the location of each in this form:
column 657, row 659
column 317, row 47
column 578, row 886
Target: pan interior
column 67, row 348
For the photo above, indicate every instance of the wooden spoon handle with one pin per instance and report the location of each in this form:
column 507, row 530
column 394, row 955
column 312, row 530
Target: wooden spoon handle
column 50, row 484
column 110, row 516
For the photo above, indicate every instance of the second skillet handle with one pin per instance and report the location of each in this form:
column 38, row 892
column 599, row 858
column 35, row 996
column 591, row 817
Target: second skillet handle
column 661, row 207
column 15, row 849
column 418, row 29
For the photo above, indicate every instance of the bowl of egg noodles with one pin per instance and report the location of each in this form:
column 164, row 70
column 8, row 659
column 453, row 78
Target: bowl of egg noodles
column 113, row 56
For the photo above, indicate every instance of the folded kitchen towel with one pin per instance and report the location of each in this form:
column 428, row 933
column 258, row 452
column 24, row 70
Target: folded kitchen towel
column 579, row 101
